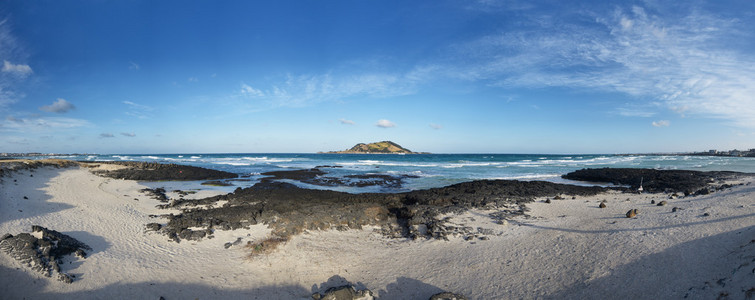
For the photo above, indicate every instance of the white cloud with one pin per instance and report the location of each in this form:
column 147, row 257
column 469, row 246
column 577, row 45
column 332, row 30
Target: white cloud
column 346, row 122
column 383, row 123
column 7, row 97
column 680, row 109
column 106, row 135
column 18, row 70
column 193, row 79
column 29, row 124
column 133, row 66
column 436, row 126
column 661, row 123
column 131, row 134
column 306, row 90
column 138, row 110
column 59, row 106
column 686, row 63
column 249, row 91
column 636, row 111
column 10, row 73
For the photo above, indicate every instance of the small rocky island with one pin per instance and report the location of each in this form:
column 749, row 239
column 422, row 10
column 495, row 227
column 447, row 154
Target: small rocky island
column 384, row 147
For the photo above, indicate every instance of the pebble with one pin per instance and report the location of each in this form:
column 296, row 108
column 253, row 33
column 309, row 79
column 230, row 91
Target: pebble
column 662, row 203
column 602, row 205
column 632, row 213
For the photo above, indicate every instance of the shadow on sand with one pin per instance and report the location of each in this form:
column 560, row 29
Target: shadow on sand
column 402, row 288
column 25, row 195
column 709, row 261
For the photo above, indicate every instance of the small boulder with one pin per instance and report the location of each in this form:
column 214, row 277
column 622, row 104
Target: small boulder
column 344, row 292
column 675, row 209
column 448, row 296
column 547, row 200
column 632, row 213
column 602, row 205
column 662, row 203
column 154, row 226
column 652, row 201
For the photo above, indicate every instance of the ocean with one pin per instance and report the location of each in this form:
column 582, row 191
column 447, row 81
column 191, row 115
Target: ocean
column 426, row 170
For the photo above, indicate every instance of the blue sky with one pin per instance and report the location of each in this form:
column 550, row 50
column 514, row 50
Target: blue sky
column 438, row 76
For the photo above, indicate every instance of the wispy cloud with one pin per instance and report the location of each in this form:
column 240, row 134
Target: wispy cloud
column 106, row 135
column 436, row 126
column 383, row 123
column 631, row 110
column 12, row 72
column 193, row 79
column 128, row 134
column 59, row 106
column 346, row 122
column 138, row 110
column 133, row 66
column 249, row 91
column 680, row 62
column 661, row 123
column 307, row 90
column 35, row 123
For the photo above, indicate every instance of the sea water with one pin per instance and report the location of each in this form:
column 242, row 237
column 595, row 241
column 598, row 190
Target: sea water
column 430, row 170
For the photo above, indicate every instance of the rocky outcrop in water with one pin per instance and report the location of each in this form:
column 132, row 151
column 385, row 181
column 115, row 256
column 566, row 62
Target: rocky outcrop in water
column 147, row 171
column 44, row 254
column 384, row 147
column 316, row 176
column 654, row 181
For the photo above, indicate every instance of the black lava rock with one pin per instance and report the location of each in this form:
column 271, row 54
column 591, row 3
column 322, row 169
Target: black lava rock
column 43, row 255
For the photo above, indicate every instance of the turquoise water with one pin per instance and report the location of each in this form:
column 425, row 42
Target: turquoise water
column 434, row 170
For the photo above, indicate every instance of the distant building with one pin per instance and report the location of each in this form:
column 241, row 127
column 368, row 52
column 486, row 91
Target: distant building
column 712, row 151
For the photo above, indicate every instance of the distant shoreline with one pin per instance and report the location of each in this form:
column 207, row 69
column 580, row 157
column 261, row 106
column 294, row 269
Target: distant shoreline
column 750, row 153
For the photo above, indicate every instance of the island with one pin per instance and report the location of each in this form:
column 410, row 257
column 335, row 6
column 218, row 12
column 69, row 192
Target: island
column 384, row 147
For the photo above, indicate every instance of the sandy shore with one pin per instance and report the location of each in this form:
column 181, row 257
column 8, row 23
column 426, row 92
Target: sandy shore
column 566, row 249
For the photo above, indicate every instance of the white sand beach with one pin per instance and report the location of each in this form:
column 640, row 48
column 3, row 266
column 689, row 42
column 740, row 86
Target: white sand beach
column 566, row 249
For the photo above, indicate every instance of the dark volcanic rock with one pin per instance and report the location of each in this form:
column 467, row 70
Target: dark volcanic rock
column 156, row 193
column 289, row 210
column 318, row 177
column 653, row 181
column 345, row 292
column 43, row 255
column 447, row 296
column 147, row 171
column 216, row 183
